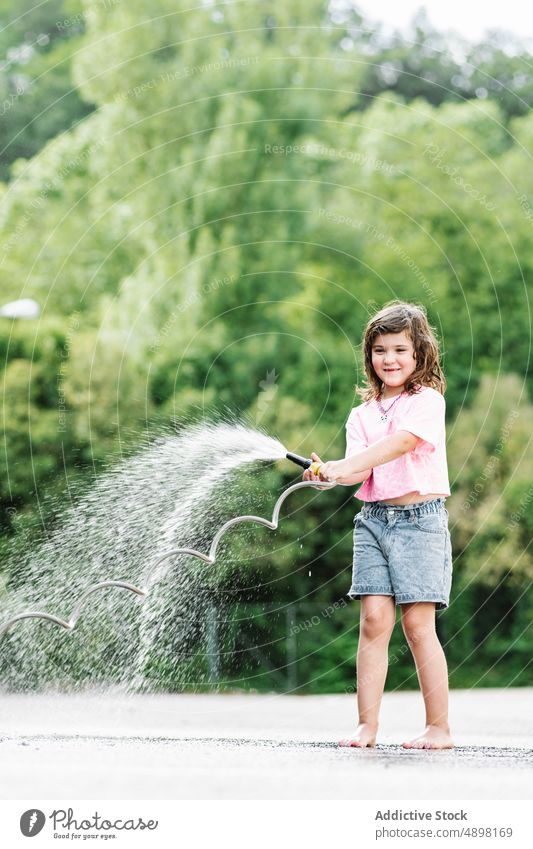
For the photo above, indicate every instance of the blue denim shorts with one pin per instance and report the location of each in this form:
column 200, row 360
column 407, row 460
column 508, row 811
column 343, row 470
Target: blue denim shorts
column 403, row 551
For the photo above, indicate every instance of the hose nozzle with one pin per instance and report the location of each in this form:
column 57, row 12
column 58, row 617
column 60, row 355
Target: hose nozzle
column 304, row 462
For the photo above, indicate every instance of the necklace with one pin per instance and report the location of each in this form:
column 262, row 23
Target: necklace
column 384, row 412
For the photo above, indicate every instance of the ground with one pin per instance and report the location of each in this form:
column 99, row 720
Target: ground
column 209, row 746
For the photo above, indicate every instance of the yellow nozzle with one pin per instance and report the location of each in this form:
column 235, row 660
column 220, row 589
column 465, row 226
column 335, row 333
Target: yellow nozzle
column 314, row 467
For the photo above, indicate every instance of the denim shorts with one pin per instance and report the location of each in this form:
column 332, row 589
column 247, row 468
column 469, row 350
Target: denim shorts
column 403, row 550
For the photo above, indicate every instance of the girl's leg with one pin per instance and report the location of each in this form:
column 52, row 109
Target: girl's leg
column 418, row 621
column 378, row 615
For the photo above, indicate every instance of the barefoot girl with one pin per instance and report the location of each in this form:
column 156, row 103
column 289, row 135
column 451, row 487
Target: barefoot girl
column 396, row 444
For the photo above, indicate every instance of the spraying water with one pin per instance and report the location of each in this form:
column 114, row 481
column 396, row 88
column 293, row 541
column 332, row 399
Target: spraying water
column 229, row 447
column 175, row 492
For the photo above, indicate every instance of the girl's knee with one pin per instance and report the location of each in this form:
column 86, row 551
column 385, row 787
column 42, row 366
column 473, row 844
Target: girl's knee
column 418, row 628
column 377, row 621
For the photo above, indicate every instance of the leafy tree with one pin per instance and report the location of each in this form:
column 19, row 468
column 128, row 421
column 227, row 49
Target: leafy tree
column 37, row 97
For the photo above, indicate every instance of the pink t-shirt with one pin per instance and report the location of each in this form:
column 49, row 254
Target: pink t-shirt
column 425, row 468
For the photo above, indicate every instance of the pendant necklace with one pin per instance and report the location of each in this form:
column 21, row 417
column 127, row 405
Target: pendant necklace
column 384, row 412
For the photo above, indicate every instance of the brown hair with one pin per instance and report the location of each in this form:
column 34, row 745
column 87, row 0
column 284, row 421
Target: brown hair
column 395, row 317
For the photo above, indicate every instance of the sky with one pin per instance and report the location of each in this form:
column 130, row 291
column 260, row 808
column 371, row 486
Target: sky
column 469, row 18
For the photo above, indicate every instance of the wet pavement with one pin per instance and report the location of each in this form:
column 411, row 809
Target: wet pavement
column 258, row 747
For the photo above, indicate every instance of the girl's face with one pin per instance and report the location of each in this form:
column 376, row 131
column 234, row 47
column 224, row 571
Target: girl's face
column 393, row 358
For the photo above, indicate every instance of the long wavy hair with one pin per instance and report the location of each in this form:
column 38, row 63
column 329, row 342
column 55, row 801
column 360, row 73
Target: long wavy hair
column 394, row 317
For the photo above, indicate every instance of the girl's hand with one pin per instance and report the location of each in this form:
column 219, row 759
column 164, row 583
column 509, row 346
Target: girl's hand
column 332, row 471
column 308, row 475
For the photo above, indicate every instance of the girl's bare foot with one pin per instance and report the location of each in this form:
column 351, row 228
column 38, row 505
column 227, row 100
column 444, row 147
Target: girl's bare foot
column 363, row 737
column 434, row 737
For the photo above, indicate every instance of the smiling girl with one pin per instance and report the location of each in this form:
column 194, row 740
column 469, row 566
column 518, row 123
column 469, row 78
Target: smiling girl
column 396, row 447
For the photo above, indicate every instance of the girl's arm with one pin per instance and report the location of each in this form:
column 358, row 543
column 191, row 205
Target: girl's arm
column 383, row 451
column 353, row 479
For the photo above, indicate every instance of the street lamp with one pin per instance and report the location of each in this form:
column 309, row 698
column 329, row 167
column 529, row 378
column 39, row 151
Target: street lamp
column 24, row 308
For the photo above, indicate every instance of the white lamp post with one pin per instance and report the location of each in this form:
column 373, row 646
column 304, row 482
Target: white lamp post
column 25, row 308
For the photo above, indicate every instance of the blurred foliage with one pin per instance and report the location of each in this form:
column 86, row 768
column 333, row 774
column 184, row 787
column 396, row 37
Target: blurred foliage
column 426, row 63
column 209, row 204
column 38, row 100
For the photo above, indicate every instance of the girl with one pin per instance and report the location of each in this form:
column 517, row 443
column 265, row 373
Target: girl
column 396, row 444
